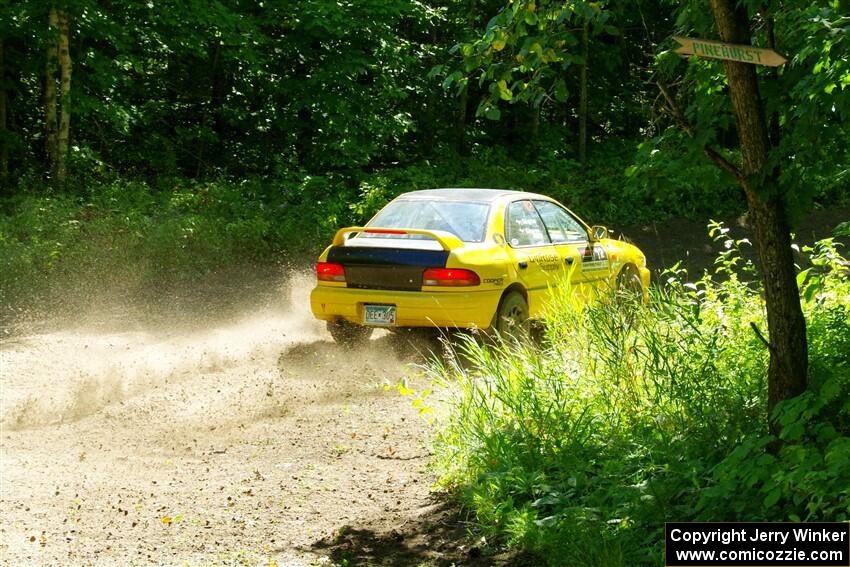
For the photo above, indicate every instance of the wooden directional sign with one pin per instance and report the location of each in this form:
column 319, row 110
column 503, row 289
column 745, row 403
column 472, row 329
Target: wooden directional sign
column 729, row 52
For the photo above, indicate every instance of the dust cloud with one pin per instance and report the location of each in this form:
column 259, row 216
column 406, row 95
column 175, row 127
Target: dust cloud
column 64, row 375
column 219, row 430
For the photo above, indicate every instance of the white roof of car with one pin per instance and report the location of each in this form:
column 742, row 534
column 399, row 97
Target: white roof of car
column 467, row 194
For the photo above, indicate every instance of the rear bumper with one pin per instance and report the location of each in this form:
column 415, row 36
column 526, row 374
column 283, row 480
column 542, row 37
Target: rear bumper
column 462, row 309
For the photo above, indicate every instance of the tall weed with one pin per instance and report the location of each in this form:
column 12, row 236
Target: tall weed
column 628, row 416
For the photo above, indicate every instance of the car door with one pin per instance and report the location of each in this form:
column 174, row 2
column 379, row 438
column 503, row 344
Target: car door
column 534, row 257
column 586, row 264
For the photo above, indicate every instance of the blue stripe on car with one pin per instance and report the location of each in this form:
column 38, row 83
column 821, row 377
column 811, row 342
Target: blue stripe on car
column 368, row 256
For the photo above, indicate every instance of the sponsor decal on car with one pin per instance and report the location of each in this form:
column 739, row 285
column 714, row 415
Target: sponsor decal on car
column 593, row 258
column 547, row 262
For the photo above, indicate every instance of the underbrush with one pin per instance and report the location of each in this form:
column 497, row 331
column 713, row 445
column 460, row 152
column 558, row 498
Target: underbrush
column 628, row 417
column 125, row 238
column 608, row 189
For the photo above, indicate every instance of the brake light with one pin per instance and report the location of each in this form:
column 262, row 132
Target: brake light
column 449, row 277
column 385, row 231
column 329, row 272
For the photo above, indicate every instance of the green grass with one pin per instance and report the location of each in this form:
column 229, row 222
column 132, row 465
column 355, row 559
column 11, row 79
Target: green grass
column 624, row 419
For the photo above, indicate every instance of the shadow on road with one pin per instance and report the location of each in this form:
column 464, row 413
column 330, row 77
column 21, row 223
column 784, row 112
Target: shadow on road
column 438, row 537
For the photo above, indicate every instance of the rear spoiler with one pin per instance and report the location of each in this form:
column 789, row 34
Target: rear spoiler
column 446, row 239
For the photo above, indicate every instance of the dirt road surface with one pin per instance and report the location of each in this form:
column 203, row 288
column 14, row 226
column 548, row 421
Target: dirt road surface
column 253, row 441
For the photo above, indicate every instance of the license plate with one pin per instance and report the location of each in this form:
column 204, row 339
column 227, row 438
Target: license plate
column 379, row 315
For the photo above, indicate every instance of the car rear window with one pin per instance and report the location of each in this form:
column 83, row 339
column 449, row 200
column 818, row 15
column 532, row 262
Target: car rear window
column 466, row 220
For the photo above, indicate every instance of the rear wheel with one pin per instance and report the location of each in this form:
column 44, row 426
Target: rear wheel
column 349, row 334
column 512, row 315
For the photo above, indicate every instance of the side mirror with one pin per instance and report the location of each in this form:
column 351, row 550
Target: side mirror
column 598, row 232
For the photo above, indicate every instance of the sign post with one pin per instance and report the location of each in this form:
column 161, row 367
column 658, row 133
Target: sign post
column 728, row 51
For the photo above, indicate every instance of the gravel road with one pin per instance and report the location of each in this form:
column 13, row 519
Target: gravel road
column 254, row 440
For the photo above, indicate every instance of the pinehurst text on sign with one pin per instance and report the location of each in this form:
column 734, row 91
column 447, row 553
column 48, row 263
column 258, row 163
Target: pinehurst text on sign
column 728, row 51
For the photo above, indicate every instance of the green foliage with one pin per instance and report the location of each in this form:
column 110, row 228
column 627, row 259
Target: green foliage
column 806, row 100
column 199, row 88
column 529, row 52
column 607, row 189
column 342, row 92
column 135, row 237
column 809, row 478
column 631, row 416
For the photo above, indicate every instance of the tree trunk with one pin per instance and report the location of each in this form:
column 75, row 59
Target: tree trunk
column 50, row 122
column 534, row 133
column 429, row 115
column 773, row 128
column 787, row 342
column 460, row 121
column 64, row 134
column 582, row 103
column 4, row 134
column 213, row 107
column 463, row 102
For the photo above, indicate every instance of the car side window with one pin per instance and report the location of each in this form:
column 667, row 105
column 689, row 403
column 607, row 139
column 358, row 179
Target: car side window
column 524, row 225
column 560, row 225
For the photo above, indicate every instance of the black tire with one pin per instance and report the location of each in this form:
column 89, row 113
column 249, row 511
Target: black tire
column 628, row 282
column 512, row 315
column 629, row 295
column 349, row 334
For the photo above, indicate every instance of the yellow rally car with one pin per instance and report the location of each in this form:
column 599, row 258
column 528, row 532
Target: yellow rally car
column 464, row 258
